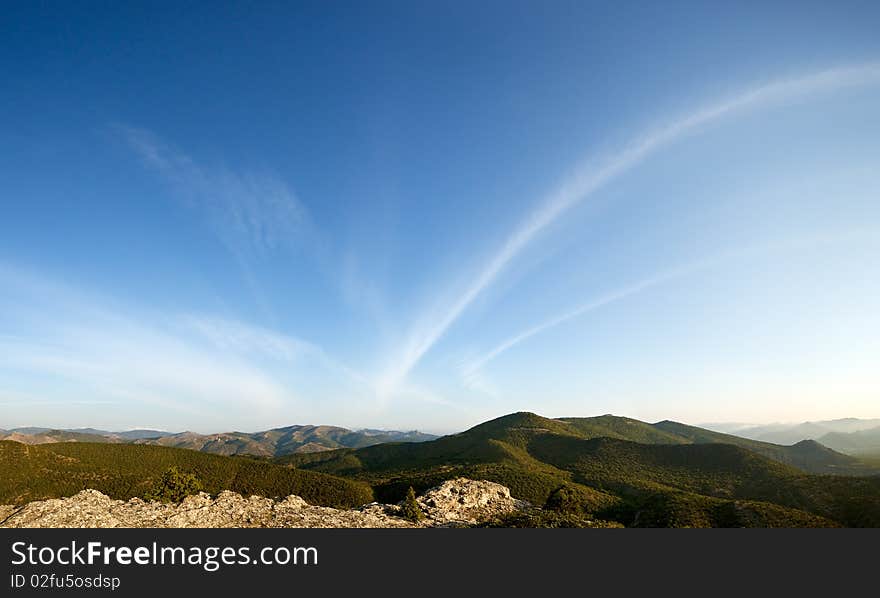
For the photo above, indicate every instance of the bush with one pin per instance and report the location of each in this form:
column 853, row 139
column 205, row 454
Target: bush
column 565, row 500
column 410, row 509
column 175, row 486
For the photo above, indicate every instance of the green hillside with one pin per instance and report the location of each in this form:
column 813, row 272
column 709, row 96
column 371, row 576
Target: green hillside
column 34, row 472
column 623, row 428
column 712, row 470
column 689, row 480
column 495, row 450
column 807, row 455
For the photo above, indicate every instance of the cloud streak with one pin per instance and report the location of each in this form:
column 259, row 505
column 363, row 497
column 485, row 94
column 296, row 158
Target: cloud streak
column 252, row 213
column 472, row 370
column 595, row 174
column 191, row 364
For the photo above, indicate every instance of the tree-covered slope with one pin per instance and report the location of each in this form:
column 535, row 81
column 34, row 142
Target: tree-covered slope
column 34, row 472
column 692, row 480
column 495, row 450
column 808, row 456
column 623, row 428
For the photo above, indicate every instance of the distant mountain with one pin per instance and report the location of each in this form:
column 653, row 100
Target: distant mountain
column 283, row 441
column 394, row 436
column 28, row 431
column 861, row 442
column 792, row 433
column 90, row 431
column 807, row 455
column 673, row 475
column 33, row 431
column 47, row 435
column 270, row 443
column 141, row 434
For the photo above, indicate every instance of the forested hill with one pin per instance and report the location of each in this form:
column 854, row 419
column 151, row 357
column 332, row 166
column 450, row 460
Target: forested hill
column 625, row 470
column 122, row 471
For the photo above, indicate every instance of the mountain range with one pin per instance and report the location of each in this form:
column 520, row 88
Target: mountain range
column 608, row 468
column 269, row 443
column 849, row 435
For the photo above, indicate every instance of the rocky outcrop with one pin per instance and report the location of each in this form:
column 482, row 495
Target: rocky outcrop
column 455, row 502
column 467, row 501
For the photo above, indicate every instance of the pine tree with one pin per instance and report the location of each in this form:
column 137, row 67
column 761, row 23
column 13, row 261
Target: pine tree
column 410, row 509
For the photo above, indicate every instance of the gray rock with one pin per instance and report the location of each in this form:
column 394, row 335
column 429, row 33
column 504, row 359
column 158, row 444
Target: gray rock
column 458, row 501
column 467, row 501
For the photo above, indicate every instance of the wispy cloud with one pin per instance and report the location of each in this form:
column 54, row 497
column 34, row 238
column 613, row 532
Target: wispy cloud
column 191, row 363
column 250, row 340
column 251, row 212
column 593, row 175
column 255, row 214
column 472, row 372
column 474, row 377
column 141, row 361
column 244, row 339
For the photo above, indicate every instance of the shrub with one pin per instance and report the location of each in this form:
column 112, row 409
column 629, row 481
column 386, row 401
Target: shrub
column 565, row 500
column 410, row 509
column 175, row 486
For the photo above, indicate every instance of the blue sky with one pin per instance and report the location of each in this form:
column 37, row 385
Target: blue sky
column 424, row 215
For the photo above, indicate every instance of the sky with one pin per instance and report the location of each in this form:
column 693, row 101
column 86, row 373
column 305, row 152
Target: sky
column 422, row 215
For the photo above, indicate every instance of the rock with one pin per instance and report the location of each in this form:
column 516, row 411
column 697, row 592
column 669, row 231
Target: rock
column 466, row 501
column 456, row 501
column 6, row 511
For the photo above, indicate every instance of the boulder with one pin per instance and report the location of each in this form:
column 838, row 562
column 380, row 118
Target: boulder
column 466, row 501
